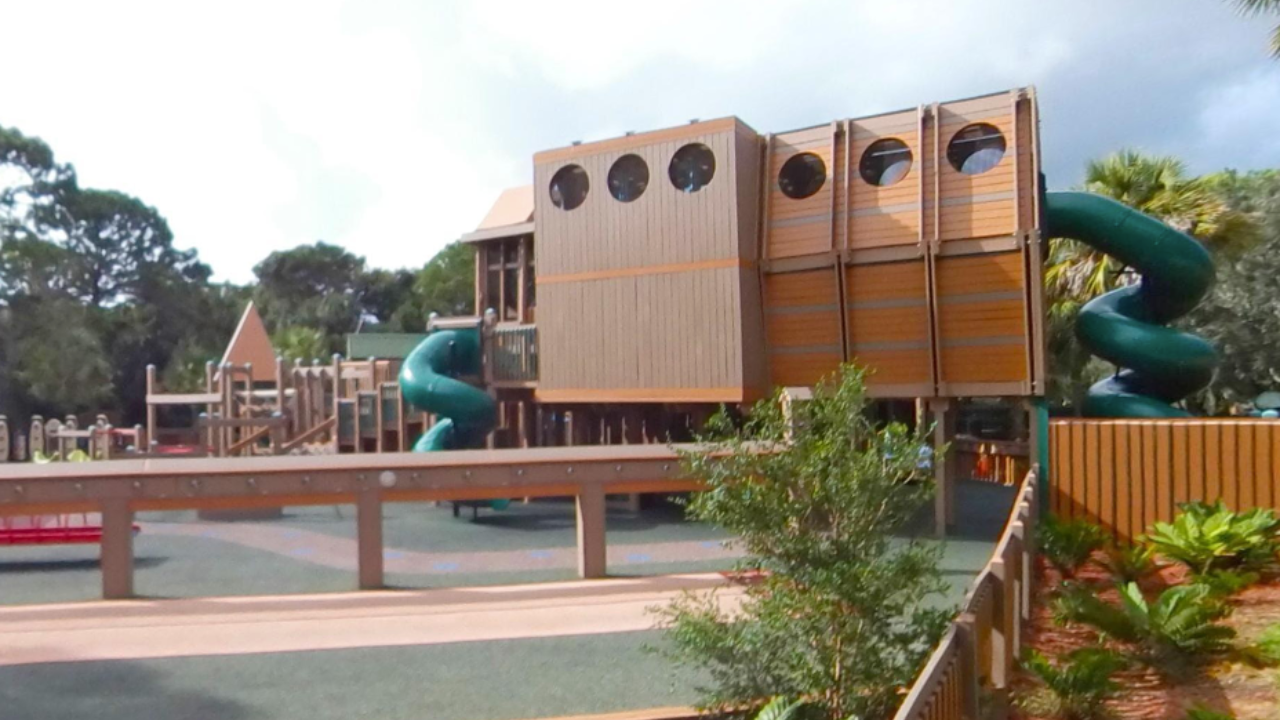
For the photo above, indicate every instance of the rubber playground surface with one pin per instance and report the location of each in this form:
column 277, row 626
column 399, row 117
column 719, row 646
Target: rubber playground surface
column 589, row 659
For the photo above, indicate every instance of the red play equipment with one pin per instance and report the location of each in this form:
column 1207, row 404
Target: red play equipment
column 50, row 530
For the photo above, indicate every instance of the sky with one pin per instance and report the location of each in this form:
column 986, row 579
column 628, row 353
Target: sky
column 390, row 126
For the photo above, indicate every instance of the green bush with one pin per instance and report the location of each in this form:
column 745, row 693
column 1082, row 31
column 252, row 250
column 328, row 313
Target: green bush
column 1129, row 563
column 1225, row 583
column 1200, row 712
column 781, row 708
column 1182, row 623
column 1267, row 647
column 1068, row 544
column 1076, row 689
column 1212, row 537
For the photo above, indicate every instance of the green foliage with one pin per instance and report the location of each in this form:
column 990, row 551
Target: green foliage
column 1225, row 583
column 1129, row 563
column 781, row 708
column 1212, row 537
column 1200, row 712
column 446, row 284
column 844, row 615
column 300, row 343
column 1267, row 646
column 1068, row 544
column 1182, row 624
column 1076, row 689
column 1258, row 7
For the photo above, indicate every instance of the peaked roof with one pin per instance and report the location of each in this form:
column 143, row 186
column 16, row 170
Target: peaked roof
column 514, row 206
column 251, row 344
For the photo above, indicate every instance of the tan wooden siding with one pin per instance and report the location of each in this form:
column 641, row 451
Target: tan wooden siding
column 632, row 338
column 887, row 322
column 802, row 325
column 885, row 215
column 1128, row 474
column 982, row 319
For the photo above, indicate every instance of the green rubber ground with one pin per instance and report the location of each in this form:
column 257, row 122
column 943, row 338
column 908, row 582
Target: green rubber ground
column 466, row 681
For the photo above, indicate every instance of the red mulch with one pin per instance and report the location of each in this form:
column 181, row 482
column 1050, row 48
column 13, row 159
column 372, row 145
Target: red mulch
column 1146, row 695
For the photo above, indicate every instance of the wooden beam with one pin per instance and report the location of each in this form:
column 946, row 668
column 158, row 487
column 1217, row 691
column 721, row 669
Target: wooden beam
column 591, row 532
column 117, row 549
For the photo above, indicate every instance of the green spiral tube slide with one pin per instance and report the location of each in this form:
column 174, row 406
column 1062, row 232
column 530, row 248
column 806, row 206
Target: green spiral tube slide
column 1127, row 327
column 429, row 381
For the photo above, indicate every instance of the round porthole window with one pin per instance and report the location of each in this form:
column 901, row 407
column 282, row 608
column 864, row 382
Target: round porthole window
column 885, row 162
column 569, row 187
column 628, row 178
column 802, row 175
column 692, row 167
column 976, row 149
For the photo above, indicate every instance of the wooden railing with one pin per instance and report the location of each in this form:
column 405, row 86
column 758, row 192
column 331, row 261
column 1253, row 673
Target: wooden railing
column 968, row 674
column 1127, row 474
column 513, row 354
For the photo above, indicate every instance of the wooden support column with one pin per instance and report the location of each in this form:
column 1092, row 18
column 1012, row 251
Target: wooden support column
column 117, row 550
column 591, row 534
column 967, row 665
column 369, row 539
column 632, row 434
column 943, row 474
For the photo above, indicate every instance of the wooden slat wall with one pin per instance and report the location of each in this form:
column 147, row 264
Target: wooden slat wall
column 1127, row 474
column 977, row 206
column 643, row 301
column 982, row 324
column 804, row 226
column 887, row 324
column 884, row 216
column 802, row 324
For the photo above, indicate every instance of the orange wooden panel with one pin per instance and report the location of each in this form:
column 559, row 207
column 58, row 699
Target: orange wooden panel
column 993, row 272
column 1195, row 464
column 1164, row 473
column 996, row 318
column 803, row 329
column 1212, row 462
column 888, row 324
column 1230, row 475
column 1181, row 461
column 1105, row 482
column 1150, row 497
column 1059, row 457
column 885, row 281
column 815, row 287
column 1123, row 481
column 895, row 367
column 802, row 370
column 1078, row 456
column 981, row 364
column 1265, row 437
column 1245, row 460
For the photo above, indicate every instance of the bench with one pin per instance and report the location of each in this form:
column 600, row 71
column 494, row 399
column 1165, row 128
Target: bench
column 57, row 535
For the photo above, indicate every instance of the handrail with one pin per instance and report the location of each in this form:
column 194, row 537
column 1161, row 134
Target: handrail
column 976, row 655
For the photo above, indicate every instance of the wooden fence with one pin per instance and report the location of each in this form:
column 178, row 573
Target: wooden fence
column 973, row 664
column 1127, row 474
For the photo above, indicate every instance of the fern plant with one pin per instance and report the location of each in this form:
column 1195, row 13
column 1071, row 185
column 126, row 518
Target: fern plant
column 1129, row 563
column 1212, row 537
column 1076, row 689
column 1068, row 544
column 1181, row 624
column 781, row 708
column 1225, row 583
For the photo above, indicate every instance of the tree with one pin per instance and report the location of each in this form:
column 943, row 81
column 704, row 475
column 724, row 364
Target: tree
column 32, row 185
column 445, row 285
column 313, row 286
column 844, row 615
column 58, row 362
column 1241, row 317
column 299, row 343
column 1257, row 7
column 1076, row 273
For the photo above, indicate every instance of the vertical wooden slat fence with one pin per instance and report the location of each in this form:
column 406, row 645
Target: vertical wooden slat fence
column 974, row 662
column 1127, row 474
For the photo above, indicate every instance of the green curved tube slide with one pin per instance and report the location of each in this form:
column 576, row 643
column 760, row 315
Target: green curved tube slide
column 1127, row 327
column 429, row 382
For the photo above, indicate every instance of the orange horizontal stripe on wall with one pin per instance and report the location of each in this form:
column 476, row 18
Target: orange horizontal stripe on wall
column 645, row 270
column 657, row 395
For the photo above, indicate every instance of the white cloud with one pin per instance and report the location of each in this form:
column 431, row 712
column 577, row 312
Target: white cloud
column 388, row 126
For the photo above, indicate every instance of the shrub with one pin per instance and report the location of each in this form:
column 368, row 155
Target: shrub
column 1225, row 583
column 1077, row 689
column 1068, row 544
column 1129, row 563
column 781, row 708
column 1181, row 624
column 1200, row 712
column 1266, row 648
column 1211, row 537
column 846, row 614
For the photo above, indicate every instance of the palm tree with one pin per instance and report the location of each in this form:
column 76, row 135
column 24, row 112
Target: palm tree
column 1257, row 7
column 299, row 343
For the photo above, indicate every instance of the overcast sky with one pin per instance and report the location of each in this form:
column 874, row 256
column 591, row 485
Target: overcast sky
column 389, row 126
